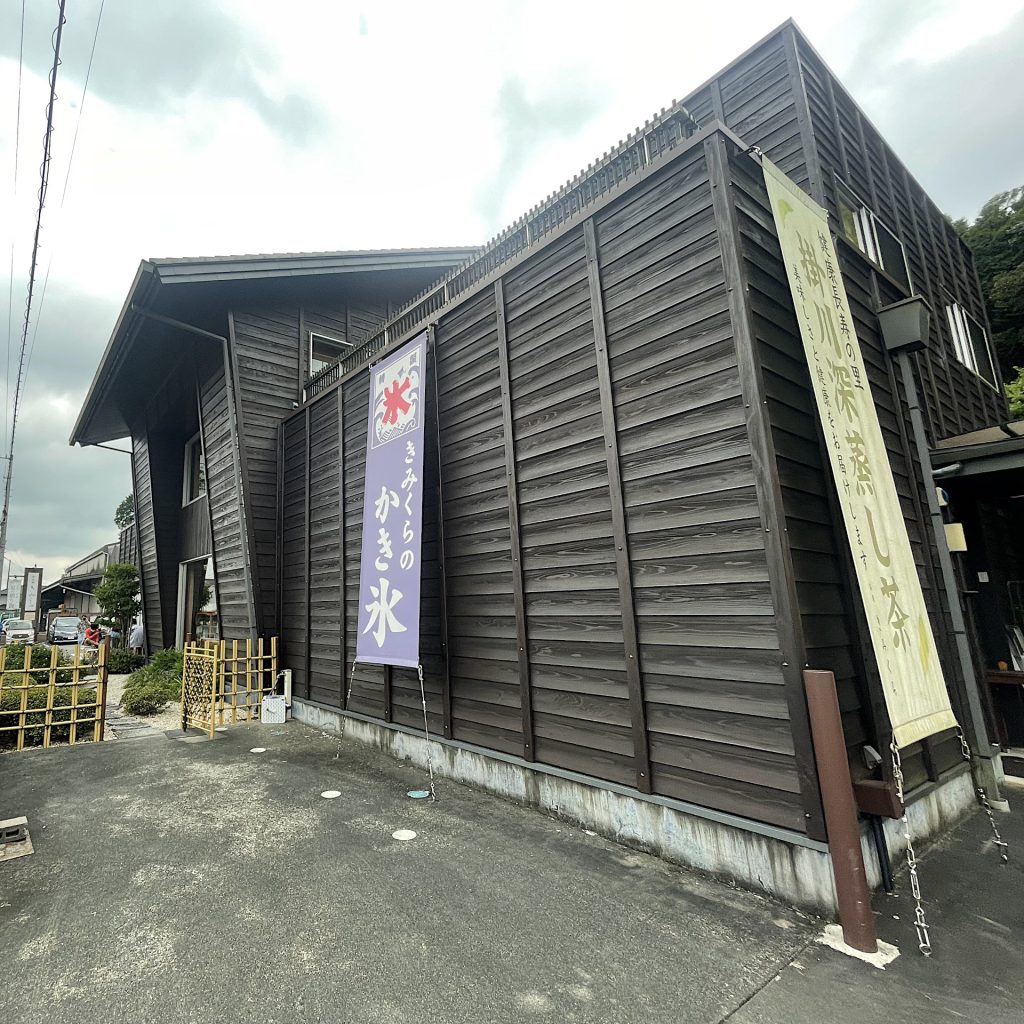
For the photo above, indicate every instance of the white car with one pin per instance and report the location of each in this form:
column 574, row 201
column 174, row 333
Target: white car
column 19, row 631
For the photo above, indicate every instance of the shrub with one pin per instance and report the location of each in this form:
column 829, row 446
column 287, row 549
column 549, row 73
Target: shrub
column 150, row 689
column 122, row 661
column 168, row 660
column 35, row 719
column 40, row 658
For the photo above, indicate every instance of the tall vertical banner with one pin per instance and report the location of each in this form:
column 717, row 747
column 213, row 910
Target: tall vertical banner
column 901, row 635
column 389, row 569
column 33, row 587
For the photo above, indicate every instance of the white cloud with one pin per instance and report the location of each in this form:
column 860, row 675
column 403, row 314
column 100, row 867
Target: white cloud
column 237, row 127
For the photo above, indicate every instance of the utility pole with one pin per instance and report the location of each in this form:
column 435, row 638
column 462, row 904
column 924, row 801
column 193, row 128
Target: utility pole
column 9, row 459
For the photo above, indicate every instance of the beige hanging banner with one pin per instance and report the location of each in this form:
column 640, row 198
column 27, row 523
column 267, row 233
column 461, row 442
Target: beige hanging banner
column 915, row 693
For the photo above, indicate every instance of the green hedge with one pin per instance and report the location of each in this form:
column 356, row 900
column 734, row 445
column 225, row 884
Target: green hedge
column 150, row 689
column 35, row 720
column 40, row 658
column 122, row 661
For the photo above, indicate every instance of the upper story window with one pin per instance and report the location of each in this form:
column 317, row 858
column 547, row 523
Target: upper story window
column 323, row 351
column 195, row 471
column 861, row 227
column 970, row 342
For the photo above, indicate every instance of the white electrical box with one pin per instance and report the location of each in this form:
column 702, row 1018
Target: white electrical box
column 273, row 710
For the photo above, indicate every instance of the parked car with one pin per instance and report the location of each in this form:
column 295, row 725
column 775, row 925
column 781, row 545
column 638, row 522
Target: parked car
column 18, row 631
column 63, row 630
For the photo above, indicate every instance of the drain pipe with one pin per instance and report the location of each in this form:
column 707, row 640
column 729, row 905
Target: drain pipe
column 181, row 325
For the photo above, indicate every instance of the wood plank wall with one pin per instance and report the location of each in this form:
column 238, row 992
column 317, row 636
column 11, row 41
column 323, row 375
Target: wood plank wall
column 641, row 596
column 148, row 565
column 224, row 495
column 941, row 266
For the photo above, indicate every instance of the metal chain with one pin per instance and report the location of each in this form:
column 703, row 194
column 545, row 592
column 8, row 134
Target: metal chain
column 1000, row 844
column 426, row 732
column 348, row 698
column 920, row 924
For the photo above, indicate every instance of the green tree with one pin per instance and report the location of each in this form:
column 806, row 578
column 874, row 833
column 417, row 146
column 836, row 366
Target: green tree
column 996, row 237
column 118, row 595
column 1015, row 394
column 125, row 514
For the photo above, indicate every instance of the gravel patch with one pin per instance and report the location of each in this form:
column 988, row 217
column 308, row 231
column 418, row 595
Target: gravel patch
column 169, row 718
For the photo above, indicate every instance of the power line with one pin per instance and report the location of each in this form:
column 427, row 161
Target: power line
column 14, row 201
column 44, row 179
column 67, row 178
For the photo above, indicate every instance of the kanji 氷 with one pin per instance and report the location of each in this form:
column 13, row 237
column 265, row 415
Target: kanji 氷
column 394, row 401
column 381, row 611
column 388, row 500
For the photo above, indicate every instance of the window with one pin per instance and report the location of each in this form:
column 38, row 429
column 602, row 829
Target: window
column 195, row 472
column 324, row 351
column 864, row 230
column 970, row 342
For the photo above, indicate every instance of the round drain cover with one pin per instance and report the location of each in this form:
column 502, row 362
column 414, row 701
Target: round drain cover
column 404, row 834
column 258, row 750
column 331, row 794
column 418, row 794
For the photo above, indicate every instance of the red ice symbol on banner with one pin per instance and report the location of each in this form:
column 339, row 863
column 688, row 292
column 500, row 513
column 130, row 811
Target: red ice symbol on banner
column 397, row 401
column 394, row 401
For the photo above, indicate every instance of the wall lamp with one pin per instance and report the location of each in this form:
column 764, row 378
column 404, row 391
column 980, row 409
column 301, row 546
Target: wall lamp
column 905, row 325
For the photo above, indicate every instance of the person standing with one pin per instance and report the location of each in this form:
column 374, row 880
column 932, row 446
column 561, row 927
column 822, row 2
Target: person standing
column 137, row 638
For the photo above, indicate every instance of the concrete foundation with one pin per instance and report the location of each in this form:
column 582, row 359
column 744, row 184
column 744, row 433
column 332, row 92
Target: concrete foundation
column 785, row 865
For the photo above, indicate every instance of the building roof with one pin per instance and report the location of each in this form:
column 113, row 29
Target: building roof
column 158, row 281
column 991, row 450
column 181, row 270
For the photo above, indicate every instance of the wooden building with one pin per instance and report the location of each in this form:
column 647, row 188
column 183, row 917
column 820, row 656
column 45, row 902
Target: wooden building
column 632, row 548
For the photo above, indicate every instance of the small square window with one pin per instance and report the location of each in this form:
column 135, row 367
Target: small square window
column 195, row 471
column 324, row 351
column 970, row 343
column 864, row 230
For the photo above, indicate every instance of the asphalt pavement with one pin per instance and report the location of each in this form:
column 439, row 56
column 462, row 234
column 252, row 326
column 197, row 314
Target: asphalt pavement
column 181, row 880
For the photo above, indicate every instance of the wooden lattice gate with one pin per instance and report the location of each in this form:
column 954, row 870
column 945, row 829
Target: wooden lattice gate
column 224, row 682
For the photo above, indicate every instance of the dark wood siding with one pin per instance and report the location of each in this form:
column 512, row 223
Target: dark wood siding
column 630, row 351
column 294, row 567
column 941, row 267
column 325, row 659
column 148, row 564
column 265, row 348
column 224, row 493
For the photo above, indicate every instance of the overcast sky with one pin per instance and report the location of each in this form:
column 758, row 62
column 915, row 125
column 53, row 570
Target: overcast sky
column 245, row 126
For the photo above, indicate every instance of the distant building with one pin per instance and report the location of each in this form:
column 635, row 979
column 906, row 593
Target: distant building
column 72, row 594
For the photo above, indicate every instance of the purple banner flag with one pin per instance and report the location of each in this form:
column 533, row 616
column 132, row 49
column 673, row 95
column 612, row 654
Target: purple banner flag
column 389, row 570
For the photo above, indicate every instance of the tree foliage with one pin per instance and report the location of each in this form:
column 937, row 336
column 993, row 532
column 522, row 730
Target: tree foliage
column 125, row 514
column 118, row 595
column 996, row 237
column 1015, row 394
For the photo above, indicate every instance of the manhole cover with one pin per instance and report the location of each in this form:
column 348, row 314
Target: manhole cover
column 331, row 794
column 403, row 835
